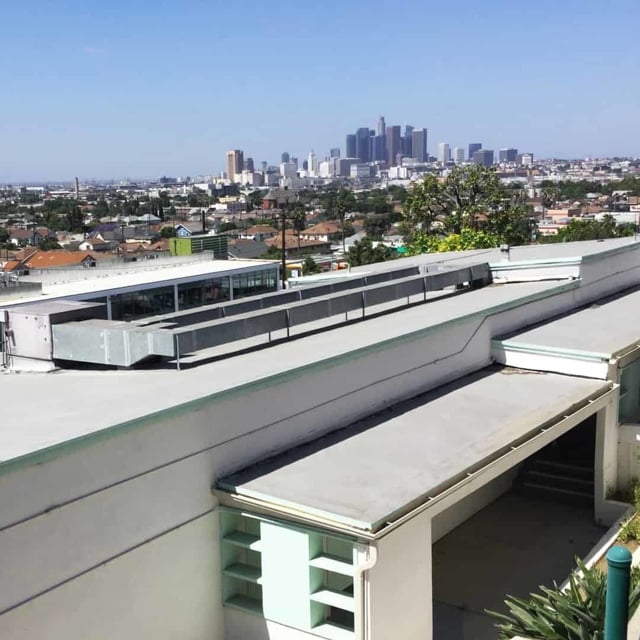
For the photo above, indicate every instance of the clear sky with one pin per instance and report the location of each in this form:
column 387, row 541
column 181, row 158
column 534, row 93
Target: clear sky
column 112, row 89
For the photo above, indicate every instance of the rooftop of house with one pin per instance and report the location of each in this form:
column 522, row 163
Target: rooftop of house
column 58, row 258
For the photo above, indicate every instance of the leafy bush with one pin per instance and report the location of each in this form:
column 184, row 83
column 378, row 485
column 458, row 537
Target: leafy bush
column 630, row 530
column 577, row 613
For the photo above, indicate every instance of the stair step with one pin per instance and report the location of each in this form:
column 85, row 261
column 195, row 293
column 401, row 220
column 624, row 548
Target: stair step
column 557, row 490
column 541, row 476
column 565, row 467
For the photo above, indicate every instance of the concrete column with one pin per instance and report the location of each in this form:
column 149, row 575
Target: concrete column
column 606, row 460
column 398, row 592
column 109, row 314
column 230, row 287
column 176, row 306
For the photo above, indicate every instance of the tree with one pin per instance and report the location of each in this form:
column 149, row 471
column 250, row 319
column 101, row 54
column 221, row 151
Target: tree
column 364, row 252
column 48, row 244
column 602, row 229
column 376, row 225
column 470, row 197
column 4, row 235
column 168, row 232
column 345, row 202
column 309, row 266
column 298, row 220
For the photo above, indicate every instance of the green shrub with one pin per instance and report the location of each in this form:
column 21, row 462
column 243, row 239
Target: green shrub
column 630, row 530
column 577, row 613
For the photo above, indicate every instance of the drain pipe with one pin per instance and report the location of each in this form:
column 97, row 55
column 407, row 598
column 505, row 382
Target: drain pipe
column 369, row 553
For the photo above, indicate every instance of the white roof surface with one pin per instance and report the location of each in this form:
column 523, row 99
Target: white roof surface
column 384, row 466
column 77, row 403
column 534, row 252
column 111, row 280
column 607, row 328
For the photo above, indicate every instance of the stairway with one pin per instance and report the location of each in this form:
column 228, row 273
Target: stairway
column 557, row 480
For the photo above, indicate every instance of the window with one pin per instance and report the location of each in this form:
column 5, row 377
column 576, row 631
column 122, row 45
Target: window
column 140, row 304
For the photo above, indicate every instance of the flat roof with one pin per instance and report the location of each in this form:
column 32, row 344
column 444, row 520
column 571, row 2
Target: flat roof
column 606, row 329
column 558, row 250
column 104, row 280
column 374, row 471
column 79, row 403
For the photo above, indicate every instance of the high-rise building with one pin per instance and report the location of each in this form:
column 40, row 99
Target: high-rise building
column 407, row 141
column 235, row 163
column 335, row 152
column 363, row 144
column 377, row 148
column 285, row 157
column 525, row 159
column 295, row 161
column 288, row 170
column 444, row 152
column 483, row 157
column 419, row 145
column 248, row 165
column 394, row 144
column 382, row 127
column 507, row 155
column 312, row 164
column 473, row 147
column 350, row 150
column 458, row 155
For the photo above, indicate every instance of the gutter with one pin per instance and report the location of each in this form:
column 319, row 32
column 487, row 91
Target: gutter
column 473, row 479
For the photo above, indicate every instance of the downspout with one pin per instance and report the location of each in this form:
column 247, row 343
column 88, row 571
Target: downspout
column 370, row 554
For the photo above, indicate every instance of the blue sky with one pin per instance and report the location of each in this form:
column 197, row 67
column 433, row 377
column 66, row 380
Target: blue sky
column 140, row 89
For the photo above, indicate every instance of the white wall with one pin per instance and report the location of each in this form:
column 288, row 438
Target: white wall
column 165, row 589
column 101, row 501
column 245, row 626
column 398, row 592
column 447, row 520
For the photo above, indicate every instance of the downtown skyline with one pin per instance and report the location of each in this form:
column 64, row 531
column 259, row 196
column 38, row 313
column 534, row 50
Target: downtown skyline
column 123, row 91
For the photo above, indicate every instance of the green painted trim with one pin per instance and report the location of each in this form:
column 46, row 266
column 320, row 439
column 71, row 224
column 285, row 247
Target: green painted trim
column 576, row 354
column 67, row 447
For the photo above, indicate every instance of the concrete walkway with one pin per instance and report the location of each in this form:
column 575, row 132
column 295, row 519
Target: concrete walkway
column 511, row 547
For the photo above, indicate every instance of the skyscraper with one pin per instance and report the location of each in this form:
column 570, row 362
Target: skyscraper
column 483, row 157
column 363, row 144
column 378, row 147
column 350, row 150
column 393, row 135
column 285, row 156
column 473, row 147
column 235, row 163
column 335, row 152
column 382, row 127
column 312, row 164
column 249, row 165
column 444, row 152
column 458, row 155
column 507, row 155
column 419, row 144
column 407, row 141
